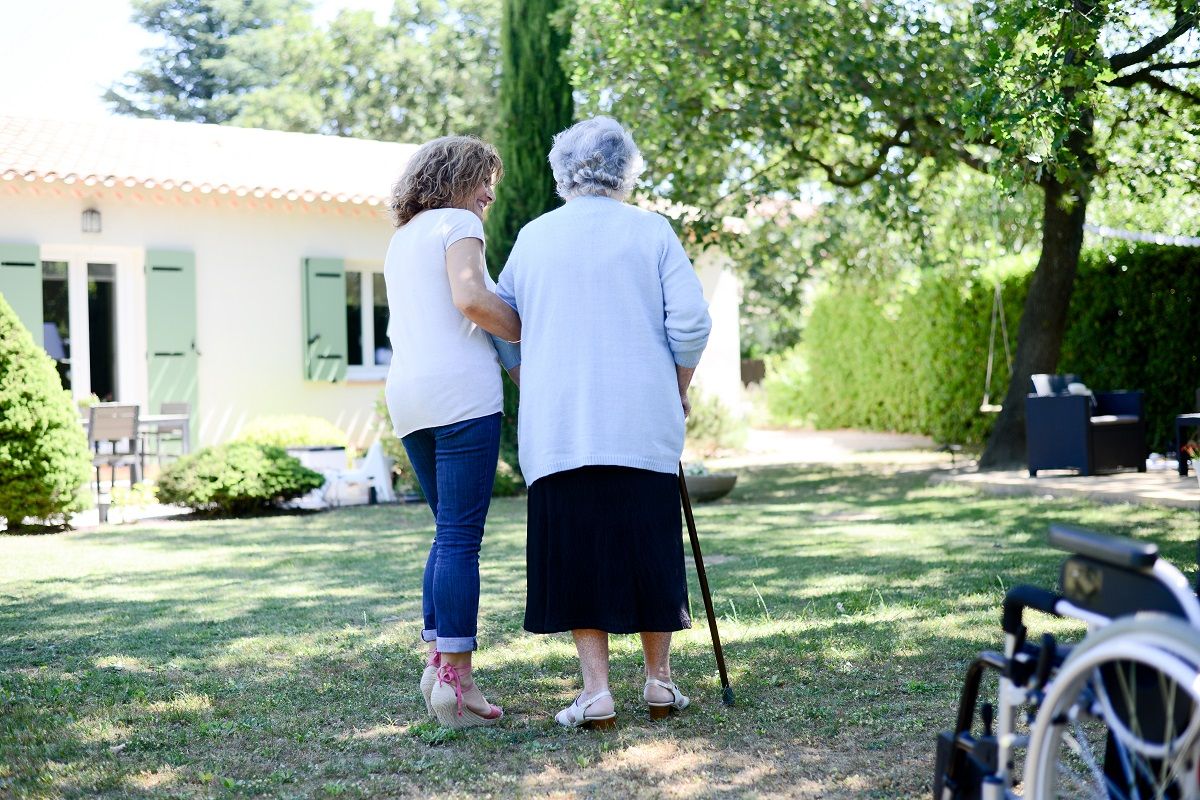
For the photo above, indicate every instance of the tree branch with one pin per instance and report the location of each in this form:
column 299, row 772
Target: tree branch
column 1148, row 78
column 837, row 174
column 971, row 160
column 1184, row 22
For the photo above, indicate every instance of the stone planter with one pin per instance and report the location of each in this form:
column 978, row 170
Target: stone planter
column 714, row 486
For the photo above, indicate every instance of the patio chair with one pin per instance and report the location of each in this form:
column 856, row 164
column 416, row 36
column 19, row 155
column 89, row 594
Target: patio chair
column 167, row 432
column 1092, row 432
column 111, row 426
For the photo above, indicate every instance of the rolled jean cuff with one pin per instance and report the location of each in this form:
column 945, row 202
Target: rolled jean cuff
column 429, row 635
column 456, row 644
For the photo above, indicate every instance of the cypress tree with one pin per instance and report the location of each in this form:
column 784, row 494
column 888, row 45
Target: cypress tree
column 535, row 103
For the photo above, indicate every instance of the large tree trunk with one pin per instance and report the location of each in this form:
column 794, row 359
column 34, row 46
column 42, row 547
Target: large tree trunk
column 1043, row 321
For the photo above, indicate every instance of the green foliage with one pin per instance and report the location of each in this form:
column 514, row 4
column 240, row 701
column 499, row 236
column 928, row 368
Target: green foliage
column 43, row 449
column 1135, row 324
column 889, row 356
column 237, row 478
column 712, row 426
column 508, row 481
column 786, row 387
column 292, row 430
column 534, row 104
column 885, row 357
column 183, row 78
column 428, row 70
column 876, row 99
column 406, row 479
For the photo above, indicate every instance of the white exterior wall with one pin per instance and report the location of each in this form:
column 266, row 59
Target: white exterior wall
column 720, row 370
column 249, row 254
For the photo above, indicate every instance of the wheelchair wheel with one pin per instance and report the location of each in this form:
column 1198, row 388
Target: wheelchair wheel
column 1121, row 717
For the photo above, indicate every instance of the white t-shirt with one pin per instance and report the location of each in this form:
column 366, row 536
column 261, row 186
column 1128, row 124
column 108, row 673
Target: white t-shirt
column 444, row 368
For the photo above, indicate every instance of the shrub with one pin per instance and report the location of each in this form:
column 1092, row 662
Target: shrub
column 508, row 482
column 909, row 358
column 913, row 359
column 236, row 478
column 292, row 430
column 712, row 426
column 43, row 449
column 1134, row 323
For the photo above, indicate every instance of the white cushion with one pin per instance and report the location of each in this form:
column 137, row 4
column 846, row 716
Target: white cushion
column 1114, row 419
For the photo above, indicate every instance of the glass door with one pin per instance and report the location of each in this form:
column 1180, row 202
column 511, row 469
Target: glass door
column 56, row 318
column 102, row 330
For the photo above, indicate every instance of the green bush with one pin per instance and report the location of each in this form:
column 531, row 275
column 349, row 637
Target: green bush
column 292, row 430
column 712, row 426
column 913, row 358
column 905, row 357
column 43, row 449
column 1134, row 323
column 785, row 387
column 508, row 482
column 236, row 478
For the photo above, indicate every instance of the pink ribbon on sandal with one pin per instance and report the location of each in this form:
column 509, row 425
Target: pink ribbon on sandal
column 446, row 674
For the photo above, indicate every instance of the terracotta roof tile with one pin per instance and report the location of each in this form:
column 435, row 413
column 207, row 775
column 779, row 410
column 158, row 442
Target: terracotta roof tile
column 205, row 158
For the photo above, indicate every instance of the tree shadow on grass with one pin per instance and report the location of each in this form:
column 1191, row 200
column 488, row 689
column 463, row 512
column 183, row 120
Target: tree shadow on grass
column 265, row 657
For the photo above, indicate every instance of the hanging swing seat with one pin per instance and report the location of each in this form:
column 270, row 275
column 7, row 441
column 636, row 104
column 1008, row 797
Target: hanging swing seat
column 987, row 406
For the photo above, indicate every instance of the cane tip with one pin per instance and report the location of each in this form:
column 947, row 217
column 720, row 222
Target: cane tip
column 727, row 696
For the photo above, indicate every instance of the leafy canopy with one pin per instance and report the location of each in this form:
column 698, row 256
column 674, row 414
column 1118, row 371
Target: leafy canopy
column 430, row 69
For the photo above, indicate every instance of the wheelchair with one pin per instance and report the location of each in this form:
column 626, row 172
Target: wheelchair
column 1115, row 716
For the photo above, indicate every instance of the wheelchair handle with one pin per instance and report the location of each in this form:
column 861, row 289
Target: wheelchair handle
column 1020, row 598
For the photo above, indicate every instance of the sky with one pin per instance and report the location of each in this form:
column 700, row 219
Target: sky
column 58, row 56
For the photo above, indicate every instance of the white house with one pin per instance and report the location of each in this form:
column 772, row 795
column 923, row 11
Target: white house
column 235, row 269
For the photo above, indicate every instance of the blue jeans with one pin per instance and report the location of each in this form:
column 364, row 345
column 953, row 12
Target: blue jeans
column 456, row 466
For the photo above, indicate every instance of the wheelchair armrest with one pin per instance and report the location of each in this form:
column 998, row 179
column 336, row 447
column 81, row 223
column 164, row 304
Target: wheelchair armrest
column 1102, row 547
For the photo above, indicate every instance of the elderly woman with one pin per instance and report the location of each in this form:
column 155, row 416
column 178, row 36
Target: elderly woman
column 444, row 394
column 614, row 322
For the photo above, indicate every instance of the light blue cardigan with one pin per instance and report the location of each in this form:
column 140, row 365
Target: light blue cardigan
column 609, row 305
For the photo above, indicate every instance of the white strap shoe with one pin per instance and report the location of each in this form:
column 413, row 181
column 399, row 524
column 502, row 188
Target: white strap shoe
column 576, row 716
column 679, row 701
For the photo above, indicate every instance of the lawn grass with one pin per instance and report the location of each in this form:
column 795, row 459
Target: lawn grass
column 278, row 656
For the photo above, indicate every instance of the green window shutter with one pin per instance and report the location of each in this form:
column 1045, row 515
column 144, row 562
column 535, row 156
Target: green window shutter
column 324, row 307
column 21, row 284
column 172, row 359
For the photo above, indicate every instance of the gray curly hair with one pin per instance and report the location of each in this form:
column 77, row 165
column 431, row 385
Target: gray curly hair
column 596, row 157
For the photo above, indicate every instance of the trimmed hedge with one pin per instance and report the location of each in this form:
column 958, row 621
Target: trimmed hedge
column 237, row 478
column 44, row 459
column 913, row 358
column 1135, row 324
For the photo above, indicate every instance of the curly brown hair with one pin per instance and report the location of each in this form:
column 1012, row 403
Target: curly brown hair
column 441, row 174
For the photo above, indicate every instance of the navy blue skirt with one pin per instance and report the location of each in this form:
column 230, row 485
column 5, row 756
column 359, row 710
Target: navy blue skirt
column 605, row 551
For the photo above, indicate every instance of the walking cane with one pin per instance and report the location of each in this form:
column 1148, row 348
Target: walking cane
column 726, row 689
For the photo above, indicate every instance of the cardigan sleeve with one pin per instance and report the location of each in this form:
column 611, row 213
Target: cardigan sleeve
column 509, row 352
column 685, row 310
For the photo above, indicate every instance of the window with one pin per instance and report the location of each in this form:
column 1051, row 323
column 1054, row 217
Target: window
column 369, row 351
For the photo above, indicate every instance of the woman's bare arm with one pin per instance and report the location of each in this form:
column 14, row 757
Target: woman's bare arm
column 471, row 295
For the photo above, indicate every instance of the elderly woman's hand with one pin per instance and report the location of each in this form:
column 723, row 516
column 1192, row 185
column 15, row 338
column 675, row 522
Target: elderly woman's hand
column 687, row 404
